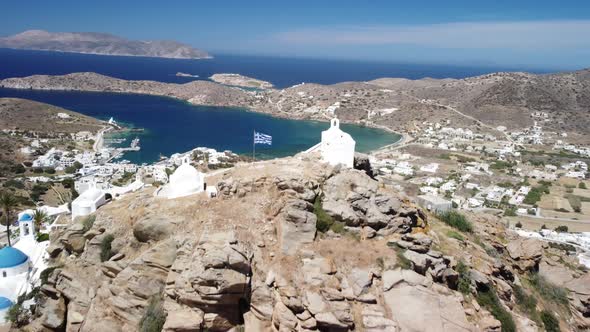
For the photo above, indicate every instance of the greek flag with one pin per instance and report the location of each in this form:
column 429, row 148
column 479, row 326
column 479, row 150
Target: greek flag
column 260, row 138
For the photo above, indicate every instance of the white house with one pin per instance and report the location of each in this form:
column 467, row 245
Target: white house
column 186, row 180
column 88, row 202
column 337, row 147
column 434, row 203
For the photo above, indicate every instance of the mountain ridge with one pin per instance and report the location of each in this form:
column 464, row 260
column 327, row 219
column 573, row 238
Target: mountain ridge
column 101, row 44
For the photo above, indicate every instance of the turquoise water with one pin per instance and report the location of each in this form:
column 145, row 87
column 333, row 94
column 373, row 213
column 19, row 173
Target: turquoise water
column 173, row 126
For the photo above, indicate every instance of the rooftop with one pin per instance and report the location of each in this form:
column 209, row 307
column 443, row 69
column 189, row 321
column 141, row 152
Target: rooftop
column 5, row 303
column 10, row 257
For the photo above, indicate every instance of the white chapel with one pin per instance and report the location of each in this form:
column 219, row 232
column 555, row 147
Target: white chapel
column 337, row 147
column 186, row 180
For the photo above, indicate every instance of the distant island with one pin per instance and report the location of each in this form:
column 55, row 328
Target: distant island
column 100, row 43
column 241, row 81
column 181, row 74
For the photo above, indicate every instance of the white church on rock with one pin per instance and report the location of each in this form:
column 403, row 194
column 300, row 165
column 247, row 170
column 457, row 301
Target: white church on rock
column 337, row 147
column 186, row 180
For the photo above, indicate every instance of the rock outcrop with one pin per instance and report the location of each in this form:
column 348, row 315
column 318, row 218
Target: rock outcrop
column 352, row 197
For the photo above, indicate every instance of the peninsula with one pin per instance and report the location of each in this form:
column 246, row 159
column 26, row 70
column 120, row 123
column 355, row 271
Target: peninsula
column 241, row 81
column 100, row 43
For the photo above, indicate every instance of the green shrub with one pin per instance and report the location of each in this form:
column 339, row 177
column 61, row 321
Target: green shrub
column 402, row 261
column 105, row 247
column 455, row 235
column 464, row 283
column 88, row 222
column 582, row 185
column 324, row 221
column 549, row 291
column 518, row 224
column 44, row 275
column 19, row 169
column 154, row 317
column 510, row 212
column 70, row 170
column 550, row 321
column 338, row 227
column 561, row 229
column 17, row 315
column 489, row 300
column 575, row 202
column 499, row 165
column 536, row 193
column 456, row 220
column 41, row 237
column 14, row 184
column 526, row 303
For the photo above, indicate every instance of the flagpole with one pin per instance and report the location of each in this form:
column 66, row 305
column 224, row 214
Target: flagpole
column 253, row 145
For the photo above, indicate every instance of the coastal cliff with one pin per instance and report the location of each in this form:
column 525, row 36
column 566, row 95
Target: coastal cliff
column 100, row 43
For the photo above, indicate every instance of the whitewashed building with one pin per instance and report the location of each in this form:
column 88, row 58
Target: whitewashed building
column 337, row 147
column 88, row 202
column 186, row 180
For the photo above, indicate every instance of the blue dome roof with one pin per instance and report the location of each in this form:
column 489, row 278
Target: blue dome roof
column 25, row 217
column 10, row 257
column 5, row 303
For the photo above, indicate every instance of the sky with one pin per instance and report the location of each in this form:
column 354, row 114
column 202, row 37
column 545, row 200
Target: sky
column 518, row 33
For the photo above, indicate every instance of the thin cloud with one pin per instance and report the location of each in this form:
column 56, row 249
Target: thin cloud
column 570, row 34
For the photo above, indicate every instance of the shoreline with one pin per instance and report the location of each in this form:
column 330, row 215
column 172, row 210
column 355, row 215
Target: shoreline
column 281, row 115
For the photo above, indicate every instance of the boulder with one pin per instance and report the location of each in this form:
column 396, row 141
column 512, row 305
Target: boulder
column 421, row 262
column 214, row 276
column 417, row 308
column 360, row 280
column 283, row 318
column 153, row 229
column 526, row 253
column 54, row 314
column 392, row 278
column 184, row 320
column 297, row 225
column 362, row 163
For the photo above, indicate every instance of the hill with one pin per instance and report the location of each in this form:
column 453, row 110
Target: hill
column 100, row 43
column 22, row 120
column 293, row 245
column 514, row 100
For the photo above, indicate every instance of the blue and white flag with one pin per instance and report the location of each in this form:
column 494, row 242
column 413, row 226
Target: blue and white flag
column 260, row 138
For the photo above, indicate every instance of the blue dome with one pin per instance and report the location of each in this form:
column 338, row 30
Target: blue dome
column 5, row 303
column 10, row 257
column 25, row 217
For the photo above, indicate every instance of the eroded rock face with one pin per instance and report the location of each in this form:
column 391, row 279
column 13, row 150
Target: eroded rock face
column 130, row 291
column 297, row 225
column 526, row 252
column 353, row 197
column 212, row 275
column 437, row 312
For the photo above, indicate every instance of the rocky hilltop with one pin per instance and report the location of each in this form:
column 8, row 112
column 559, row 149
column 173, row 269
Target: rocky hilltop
column 100, row 43
column 483, row 103
column 292, row 245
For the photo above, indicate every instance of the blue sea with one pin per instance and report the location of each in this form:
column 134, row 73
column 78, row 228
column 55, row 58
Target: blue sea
column 174, row 126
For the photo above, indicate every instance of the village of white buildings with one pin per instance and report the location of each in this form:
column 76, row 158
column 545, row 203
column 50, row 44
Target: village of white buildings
column 531, row 177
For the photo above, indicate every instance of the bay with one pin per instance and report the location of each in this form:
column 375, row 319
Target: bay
column 173, row 126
